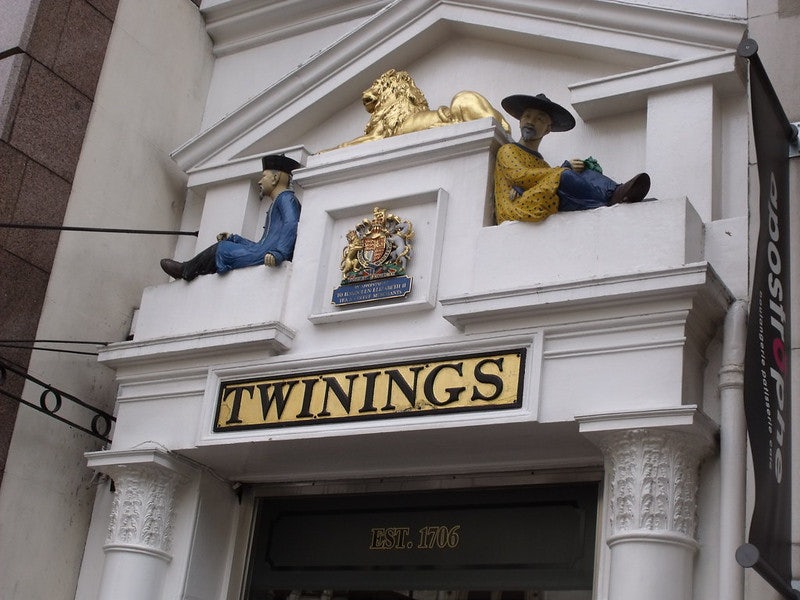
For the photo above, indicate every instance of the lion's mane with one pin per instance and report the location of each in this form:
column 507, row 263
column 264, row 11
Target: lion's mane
column 397, row 97
column 397, row 106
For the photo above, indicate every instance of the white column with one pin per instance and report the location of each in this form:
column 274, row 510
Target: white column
column 651, row 506
column 652, row 513
column 139, row 542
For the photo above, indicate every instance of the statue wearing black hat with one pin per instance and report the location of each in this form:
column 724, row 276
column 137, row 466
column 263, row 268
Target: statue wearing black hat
column 526, row 188
column 232, row 251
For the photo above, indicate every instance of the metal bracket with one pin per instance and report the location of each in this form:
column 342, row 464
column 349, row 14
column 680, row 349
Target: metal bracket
column 794, row 145
column 51, row 401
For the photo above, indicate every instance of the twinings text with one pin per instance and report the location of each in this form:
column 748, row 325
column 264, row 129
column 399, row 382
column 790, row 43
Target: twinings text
column 486, row 381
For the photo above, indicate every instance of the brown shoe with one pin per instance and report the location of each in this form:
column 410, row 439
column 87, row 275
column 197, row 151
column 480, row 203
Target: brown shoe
column 173, row 268
column 631, row 191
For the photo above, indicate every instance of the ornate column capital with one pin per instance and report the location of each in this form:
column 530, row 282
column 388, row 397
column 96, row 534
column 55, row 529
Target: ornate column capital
column 652, row 466
column 143, row 509
column 653, row 475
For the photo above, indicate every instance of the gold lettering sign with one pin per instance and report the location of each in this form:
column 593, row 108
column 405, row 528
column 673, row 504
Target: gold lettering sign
column 476, row 382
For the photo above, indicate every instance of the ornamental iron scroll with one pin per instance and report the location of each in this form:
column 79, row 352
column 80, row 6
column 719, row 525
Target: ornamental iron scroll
column 51, row 401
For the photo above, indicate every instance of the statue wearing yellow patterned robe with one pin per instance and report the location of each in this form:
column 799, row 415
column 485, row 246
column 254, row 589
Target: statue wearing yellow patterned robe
column 536, row 181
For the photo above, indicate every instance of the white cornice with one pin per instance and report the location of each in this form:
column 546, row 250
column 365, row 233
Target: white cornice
column 629, row 91
column 236, row 25
column 240, row 168
column 112, row 461
column 409, row 28
column 696, row 284
column 412, row 149
column 272, row 337
column 681, row 418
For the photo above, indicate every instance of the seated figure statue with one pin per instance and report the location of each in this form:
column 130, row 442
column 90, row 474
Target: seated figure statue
column 233, row 251
column 527, row 188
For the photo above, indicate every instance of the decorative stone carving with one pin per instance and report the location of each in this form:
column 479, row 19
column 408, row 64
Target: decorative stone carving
column 654, row 481
column 142, row 513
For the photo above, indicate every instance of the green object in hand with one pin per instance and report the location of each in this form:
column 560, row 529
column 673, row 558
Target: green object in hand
column 591, row 163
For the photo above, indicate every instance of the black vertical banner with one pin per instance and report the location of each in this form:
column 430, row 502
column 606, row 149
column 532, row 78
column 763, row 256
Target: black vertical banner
column 766, row 370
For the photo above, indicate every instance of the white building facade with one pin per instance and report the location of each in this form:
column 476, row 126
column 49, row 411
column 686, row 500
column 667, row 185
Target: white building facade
column 554, row 409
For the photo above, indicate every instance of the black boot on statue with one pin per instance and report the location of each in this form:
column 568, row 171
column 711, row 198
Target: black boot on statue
column 173, row 268
column 204, row 263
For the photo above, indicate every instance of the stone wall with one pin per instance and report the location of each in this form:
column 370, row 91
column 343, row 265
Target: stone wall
column 51, row 53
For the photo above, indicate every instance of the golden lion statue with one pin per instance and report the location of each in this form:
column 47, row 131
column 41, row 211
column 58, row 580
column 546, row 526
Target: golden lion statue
column 396, row 106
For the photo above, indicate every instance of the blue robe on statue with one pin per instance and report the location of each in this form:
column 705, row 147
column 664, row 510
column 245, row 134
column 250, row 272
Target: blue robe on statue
column 280, row 234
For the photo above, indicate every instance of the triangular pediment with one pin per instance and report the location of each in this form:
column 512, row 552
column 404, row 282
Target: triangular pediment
column 608, row 42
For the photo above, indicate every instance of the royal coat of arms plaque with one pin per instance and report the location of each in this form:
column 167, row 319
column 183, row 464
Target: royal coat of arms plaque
column 374, row 260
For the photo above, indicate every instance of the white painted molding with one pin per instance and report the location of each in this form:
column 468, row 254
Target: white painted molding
column 108, row 461
column 411, row 27
column 236, row 25
column 168, row 384
column 655, row 537
column 274, row 338
column 248, row 167
column 695, row 283
column 402, row 151
column 629, row 91
column 682, row 418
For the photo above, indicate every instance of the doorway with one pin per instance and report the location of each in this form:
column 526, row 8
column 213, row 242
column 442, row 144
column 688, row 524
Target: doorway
column 532, row 542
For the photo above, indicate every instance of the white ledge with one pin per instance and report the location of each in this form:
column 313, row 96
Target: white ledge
column 274, row 338
column 248, row 167
column 686, row 419
column 113, row 461
column 401, row 151
column 629, row 91
column 689, row 281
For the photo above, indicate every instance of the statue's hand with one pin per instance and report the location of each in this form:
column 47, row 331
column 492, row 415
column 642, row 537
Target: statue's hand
column 577, row 165
column 269, row 260
column 223, row 236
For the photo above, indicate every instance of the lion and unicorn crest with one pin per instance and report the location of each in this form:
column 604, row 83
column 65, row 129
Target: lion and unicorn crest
column 377, row 248
column 374, row 261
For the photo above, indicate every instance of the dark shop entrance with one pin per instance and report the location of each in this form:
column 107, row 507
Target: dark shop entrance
column 510, row 543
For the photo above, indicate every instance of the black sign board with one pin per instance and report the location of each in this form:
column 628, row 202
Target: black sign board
column 487, row 381
column 767, row 394
column 535, row 537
